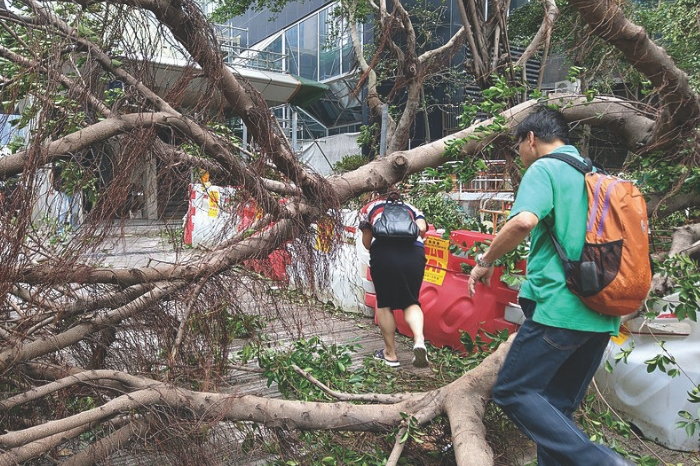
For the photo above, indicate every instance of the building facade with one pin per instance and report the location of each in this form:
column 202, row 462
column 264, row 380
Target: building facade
column 313, row 43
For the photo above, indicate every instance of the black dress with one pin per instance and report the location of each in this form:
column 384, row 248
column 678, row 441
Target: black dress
column 397, row 268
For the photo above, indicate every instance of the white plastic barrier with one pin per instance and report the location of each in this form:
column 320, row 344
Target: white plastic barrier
column 211, row 216
column 363, row 262
column 345, row 286
column 651, row 401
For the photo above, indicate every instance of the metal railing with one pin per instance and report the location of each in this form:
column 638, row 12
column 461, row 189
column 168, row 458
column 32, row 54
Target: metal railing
column 233, row 42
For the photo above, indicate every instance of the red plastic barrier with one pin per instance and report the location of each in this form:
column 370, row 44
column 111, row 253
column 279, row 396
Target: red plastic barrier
column 273, row 266
column 444, row 296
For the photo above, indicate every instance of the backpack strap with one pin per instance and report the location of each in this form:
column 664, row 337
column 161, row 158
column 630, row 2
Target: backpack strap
column 560, row 251
column 584, row 167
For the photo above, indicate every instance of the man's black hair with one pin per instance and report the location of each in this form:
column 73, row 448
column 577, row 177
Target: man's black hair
column 546, row 123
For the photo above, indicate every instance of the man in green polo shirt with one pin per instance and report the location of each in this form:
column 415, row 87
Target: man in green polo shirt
column 559, row 346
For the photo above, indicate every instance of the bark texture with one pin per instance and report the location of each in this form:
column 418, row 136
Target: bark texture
column 144, row 348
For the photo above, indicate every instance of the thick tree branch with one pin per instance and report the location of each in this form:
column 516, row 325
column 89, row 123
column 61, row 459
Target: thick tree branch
column 615, row 114
column 681, row 105
column 51, row 343
column 551, row 12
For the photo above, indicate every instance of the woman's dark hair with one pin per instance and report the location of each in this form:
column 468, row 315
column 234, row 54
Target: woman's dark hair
column 393, row 195
column 546, row 123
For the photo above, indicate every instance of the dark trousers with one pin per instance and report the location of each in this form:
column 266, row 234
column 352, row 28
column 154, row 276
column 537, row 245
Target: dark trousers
column 541, row 384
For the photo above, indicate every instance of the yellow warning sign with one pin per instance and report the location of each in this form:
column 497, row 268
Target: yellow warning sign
column 434, row 275
column 436, row 254
column 213, row 202
column 622, row 336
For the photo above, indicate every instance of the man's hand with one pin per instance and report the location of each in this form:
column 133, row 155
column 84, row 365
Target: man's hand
column 482, row 274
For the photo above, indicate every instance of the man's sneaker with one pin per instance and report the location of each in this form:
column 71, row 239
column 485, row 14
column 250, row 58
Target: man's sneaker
column 420, row 356
column 388, row 362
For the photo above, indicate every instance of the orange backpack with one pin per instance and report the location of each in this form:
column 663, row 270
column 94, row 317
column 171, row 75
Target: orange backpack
column 613, row 274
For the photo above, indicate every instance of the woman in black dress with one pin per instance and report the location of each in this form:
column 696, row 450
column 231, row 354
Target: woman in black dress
column 396, row 267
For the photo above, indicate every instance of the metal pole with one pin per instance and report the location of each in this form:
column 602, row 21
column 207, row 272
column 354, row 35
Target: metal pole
column 295, row 121
column 385, row 123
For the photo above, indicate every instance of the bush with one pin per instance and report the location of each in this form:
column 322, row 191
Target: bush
column 350, row 163
column 442, row 212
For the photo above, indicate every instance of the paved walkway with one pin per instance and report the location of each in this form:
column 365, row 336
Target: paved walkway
column 137, row 243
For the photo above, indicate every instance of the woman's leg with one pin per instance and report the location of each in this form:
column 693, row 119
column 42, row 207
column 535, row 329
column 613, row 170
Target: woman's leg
column 413, row 315
column 387, row 326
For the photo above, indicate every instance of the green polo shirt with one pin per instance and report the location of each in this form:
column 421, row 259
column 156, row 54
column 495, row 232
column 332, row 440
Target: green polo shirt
column 553, row 189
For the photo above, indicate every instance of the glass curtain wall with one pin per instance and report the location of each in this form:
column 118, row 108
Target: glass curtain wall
column 308, row 48
column 291, row 36
column 318, row 47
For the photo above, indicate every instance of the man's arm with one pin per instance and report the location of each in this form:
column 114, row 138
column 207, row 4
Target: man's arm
column 511, row 235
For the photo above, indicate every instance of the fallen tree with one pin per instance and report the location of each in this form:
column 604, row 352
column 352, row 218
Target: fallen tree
column 71, row 324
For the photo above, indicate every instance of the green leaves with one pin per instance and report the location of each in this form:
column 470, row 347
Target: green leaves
column 480, row 347
column 510, row 261
column 350, row 163
column 412, row 429
column 664, row 363
column 622, row 355
column 688, row 422
column 686, row 275
column 328, row 363
column 441, row 211
column 673, row 24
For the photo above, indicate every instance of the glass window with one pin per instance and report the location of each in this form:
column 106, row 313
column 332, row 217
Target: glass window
column 308, row 48
column 271, row 57
column 348, row 57
column 8, row 132
column 318, row 48
column 292, row 52
column 329, row 60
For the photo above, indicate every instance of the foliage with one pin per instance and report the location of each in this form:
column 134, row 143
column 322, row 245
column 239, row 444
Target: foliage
column 366, row 137
column 325, row 448
column 689, row 422
column 660, row 173
column 496, row 98
column 674, row 220
column 245, row 325
column 621, row 356
column 605, row 426
column 511, row 262
column 328, row 363
column 501, row 95
column 331, row 452
column 674, row 25
column 441, row 211
column 686, row 277
column 76, row 177
column 663, row 362
column 147, row 325
column 524, row 22
column 350, row 163
column 480, row 348
column 219, row 325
